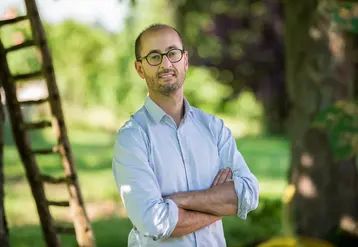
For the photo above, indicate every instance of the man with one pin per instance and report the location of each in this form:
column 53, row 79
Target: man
column 177, row 168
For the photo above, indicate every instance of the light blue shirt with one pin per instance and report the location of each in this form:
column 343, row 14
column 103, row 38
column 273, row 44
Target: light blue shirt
column 154, row 158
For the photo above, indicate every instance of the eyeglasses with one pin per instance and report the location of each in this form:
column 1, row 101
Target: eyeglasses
column 156, row 58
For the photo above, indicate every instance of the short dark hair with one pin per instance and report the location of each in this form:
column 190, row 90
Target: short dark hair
column 153, row 27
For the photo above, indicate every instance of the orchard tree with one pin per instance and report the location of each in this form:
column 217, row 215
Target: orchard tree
column 323, row 121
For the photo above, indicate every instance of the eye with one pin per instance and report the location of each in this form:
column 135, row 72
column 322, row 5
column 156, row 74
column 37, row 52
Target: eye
column 154, row 57
column 174, row 53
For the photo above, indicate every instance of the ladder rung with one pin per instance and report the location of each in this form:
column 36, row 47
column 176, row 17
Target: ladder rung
column 59, row 203
column 46, row 150
column 30, row 102
column 64, row 229
column 24, row 44
column 13, row 20
column 27, row 76
column 36, row 125
column 53, row 180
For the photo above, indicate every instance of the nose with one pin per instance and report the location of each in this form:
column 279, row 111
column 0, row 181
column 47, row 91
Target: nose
column 165, row 62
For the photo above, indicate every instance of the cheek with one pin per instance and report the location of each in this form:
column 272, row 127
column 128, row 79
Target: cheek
column 183, row 68
column 149, row 72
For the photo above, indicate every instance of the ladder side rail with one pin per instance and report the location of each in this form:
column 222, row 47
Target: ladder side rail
column 23, row 144
column 82, row 225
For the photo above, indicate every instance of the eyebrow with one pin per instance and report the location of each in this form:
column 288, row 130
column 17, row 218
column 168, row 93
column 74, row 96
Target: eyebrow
column 167, row 49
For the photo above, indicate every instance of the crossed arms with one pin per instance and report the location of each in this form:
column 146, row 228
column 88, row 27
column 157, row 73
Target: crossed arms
column 234, row 191
column 198, row 209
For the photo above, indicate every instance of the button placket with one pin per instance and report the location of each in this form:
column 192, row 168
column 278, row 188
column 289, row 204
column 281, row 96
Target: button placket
column 182, row 144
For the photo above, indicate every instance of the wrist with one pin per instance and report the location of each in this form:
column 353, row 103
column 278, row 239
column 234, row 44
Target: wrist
column 184, row 199
column 194, row 200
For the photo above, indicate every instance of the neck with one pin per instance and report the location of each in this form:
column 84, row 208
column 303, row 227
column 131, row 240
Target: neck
column 173, row 104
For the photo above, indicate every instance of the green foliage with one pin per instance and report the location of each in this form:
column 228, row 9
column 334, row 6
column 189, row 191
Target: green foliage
column 85, row 61
column 246, row 105
column 96, row 67
column 346, row 16
column 210, row 92
column 341, row 123
column 25, row 60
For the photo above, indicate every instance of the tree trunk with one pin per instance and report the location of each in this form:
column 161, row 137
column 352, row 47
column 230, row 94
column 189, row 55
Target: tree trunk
column 319, row 72
column 4, row 233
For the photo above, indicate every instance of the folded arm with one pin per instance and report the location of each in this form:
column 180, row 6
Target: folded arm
column 152, row 215
column 236, row 197
column 245, row 183
column 219, row 200
column 191, row 221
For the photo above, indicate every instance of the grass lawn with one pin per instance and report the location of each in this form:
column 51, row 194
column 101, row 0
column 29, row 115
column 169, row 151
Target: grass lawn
column 266, row 156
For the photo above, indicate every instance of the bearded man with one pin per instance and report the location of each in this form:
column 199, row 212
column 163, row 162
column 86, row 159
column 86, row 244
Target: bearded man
column 177, row 168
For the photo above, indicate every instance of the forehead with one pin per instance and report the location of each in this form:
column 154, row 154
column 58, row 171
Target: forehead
column 160, row 40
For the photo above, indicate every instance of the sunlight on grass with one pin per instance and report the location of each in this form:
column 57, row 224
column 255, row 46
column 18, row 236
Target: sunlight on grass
column 87, row 137
column 99, row 186
column 17, row 199
column 13, row 168
column 268, row 158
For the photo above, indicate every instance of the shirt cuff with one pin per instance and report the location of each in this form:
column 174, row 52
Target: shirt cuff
column 242, row 197
column 173, row 217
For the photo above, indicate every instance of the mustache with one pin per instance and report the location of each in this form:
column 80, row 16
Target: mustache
column 164, row 71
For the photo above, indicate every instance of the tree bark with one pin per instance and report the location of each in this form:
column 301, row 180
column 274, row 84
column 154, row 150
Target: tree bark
column 319, row 71
column 4, row 232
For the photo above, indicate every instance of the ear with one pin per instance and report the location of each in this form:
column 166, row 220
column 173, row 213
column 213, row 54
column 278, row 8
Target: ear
column 139, row 68
column 186, row 61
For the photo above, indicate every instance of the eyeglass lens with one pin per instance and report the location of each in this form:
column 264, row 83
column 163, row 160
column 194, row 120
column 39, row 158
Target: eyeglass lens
column 155, row 58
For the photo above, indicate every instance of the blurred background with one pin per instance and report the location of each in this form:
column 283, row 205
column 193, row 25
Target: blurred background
column 283, row 75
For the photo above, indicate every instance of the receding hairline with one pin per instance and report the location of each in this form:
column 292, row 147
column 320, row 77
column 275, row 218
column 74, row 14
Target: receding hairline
column 152, row 29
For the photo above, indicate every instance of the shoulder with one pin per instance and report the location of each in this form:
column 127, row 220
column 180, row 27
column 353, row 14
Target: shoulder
column 132, row 130
column 208, row 119
column 214, row 125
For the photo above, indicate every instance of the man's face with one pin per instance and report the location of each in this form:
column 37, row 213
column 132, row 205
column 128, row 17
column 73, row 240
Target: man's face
column 166, row 77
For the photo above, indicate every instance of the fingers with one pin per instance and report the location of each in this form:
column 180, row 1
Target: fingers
column 229, row 175
column 217, row 178
column 222, row 176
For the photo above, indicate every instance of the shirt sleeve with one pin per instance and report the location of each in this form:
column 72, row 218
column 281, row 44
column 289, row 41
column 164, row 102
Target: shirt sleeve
column 140, row 193
column 246, row 184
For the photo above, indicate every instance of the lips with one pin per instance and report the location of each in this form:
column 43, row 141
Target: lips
column 166, row 75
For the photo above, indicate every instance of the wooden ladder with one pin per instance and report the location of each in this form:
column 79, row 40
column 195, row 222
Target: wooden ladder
column 82, row 227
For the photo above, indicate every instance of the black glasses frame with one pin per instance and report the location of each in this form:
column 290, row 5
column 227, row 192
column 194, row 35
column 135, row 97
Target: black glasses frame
column 161, row 56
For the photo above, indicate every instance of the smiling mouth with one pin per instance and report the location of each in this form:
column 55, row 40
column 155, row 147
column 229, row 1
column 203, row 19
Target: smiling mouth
column 166, row 75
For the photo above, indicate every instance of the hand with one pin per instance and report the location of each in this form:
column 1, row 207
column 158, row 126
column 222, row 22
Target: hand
column 223, row 176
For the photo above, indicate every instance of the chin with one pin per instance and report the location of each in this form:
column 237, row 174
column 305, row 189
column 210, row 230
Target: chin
column 168, row 82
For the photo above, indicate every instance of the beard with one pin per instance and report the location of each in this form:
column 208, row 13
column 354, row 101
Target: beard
column 166, row 88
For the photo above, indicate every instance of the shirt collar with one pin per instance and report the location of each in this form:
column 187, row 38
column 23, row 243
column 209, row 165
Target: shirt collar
column 157, row 113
